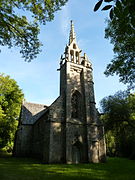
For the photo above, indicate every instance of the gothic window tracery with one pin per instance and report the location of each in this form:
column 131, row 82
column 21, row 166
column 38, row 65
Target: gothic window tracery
column 76, row 105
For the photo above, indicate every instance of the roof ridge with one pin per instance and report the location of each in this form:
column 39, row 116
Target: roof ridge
column 34, row 103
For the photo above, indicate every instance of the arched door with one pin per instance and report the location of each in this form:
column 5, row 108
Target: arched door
column 76, row 154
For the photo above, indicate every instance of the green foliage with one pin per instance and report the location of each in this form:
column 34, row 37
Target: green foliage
column 119, row 122
column 10, row 103
column 110, row 143
column 18, row 30
column 97, row 6
column 107, row 7
column 121, row 30
column 30, row 169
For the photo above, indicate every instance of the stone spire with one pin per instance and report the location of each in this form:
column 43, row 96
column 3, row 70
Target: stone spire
column 72, row 33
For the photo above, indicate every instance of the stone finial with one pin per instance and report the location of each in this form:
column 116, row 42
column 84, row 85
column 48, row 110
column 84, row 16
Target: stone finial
column 72, row 33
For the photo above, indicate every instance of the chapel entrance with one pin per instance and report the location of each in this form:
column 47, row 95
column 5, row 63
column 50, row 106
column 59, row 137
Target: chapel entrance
column 76, row 153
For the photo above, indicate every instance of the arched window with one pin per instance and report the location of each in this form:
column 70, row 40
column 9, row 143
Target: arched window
column 74, row 46
column 76, row 105
column 83, row 62
column 72, row 56
column 77, row 57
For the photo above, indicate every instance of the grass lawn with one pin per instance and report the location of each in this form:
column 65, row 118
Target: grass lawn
column 31, row 169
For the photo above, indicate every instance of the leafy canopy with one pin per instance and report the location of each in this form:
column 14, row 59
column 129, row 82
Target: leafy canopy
column 121, row 32
column 119, row 121
column 10, row 103
column 17, row 30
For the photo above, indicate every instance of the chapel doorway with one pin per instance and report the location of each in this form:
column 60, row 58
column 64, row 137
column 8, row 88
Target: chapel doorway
column 76, row 153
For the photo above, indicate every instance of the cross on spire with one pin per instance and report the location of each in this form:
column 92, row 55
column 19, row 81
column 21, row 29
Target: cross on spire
column 72, row 33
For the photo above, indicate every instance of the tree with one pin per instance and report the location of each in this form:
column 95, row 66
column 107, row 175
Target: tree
column 119, row 121
column 10, row 103
column 120, row 30
column 18, row 30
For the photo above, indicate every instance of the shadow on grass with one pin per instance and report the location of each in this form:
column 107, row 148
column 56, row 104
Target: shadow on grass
column 31, row 169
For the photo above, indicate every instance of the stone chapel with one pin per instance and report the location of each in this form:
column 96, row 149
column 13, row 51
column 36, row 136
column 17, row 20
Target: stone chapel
column 69, row 130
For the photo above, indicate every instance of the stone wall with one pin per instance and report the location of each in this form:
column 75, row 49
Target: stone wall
column 23, row 141
column 41, row 136
column 30, row 112
column 56, row 116
column 102, row 144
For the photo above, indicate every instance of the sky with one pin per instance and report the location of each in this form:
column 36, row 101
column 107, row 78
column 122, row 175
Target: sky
column 39, row 79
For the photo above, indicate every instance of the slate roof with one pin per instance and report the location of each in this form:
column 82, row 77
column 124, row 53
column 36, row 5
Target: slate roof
column 31, row 112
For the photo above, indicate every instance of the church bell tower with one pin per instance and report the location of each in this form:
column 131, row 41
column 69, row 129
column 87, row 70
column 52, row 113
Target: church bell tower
column 69, row 130
column 84, row 141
